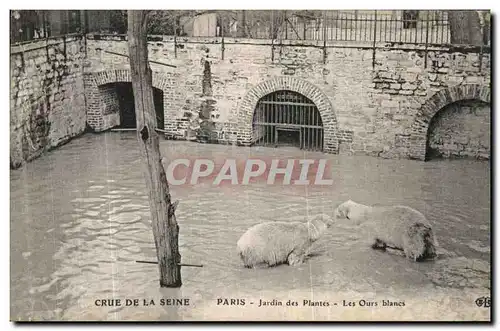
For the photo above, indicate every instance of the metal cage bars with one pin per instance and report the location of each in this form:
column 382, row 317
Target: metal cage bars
column 288, row 118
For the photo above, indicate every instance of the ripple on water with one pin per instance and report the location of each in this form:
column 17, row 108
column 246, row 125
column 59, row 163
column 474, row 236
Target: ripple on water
column 87, row 200
column 476, row 245
column 125, row 218
column 461, row 272
column 96, row 187
column 91, row 213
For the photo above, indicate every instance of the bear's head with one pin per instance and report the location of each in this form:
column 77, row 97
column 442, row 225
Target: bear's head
column 342, row 210
column 326, row 219
column 316, row 227
column 346, row 210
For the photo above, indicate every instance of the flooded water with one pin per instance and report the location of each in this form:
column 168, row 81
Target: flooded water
column 80, row 219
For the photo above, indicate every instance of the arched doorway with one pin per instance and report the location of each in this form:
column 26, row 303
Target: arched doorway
column 460, row 130
column 418, row 139
column 246, row 110
column 287, row 118
column 119, row 97
column 109, row 99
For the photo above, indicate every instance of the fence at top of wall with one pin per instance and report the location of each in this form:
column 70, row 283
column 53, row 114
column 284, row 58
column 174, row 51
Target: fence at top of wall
column 429, row 27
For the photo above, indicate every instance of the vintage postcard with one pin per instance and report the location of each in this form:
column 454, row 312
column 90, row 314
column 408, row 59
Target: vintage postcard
column 250, row 165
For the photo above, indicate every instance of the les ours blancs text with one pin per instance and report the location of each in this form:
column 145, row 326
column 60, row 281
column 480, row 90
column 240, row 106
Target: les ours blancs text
column 310, row 303
column 244, row 302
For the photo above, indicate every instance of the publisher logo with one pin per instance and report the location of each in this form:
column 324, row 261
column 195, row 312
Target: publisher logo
column 484, row 302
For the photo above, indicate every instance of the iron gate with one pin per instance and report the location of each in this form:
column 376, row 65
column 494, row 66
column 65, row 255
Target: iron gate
column 288, row 118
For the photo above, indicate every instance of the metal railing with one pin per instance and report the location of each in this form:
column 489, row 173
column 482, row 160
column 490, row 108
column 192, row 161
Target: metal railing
column 429, row 27
column 409, row 26
column 391, row 26
column 27, row 25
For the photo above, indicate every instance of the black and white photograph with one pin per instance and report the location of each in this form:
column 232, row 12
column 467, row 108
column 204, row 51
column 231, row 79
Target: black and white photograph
column 250, row 165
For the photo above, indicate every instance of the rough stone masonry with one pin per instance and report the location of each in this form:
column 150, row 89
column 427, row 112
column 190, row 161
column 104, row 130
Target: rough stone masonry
column 388, row 107
column 47, row 99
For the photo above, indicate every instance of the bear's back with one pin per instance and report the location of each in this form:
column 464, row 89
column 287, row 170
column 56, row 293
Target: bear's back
column 273, row 234
column 398, row 211
column 393, row 221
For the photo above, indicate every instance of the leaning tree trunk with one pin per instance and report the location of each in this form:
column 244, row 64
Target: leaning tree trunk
column 465, row 27
column 165, row 228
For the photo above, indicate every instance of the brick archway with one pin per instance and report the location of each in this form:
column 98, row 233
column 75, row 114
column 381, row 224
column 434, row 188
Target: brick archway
column 120, row 75
column 312, row 92
column 97, row 118
column 419, row 128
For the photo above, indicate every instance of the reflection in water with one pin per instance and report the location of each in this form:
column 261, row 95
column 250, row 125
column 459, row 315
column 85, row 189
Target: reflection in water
column 80, row 220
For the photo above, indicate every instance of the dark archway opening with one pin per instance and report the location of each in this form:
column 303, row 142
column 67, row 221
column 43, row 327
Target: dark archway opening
column 287, row 118
column 461, row 129
column 125, row 96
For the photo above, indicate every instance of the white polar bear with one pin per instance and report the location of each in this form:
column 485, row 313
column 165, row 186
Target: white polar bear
column 272, row 243
column 397, row 227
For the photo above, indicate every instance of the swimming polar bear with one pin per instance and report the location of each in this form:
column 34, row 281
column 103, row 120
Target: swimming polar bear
column 397, row 227
column 272, row 243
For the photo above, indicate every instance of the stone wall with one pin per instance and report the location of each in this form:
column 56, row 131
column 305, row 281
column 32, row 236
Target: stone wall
column 371, row 102
column 366, row 109
column 111, row 103
column 407, row 95
column 461, row 129
column 102, row 106
column 47, row 103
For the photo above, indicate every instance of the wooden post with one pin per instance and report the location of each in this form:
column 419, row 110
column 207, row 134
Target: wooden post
column 324, row 37
column 374, row 39
column 272, row 36
column 426, row 40
column 481, row 58
column 286, row 26
column 165, row 228
column 175, row 35
column 221, row 16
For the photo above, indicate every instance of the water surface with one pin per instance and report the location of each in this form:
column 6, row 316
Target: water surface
column 80, row 219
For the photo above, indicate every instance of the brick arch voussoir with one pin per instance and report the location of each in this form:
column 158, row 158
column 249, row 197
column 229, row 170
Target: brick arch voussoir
column 93, row 80
column 307, row 89
column 284, row 83
column 123, row 75
column 442, row 98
